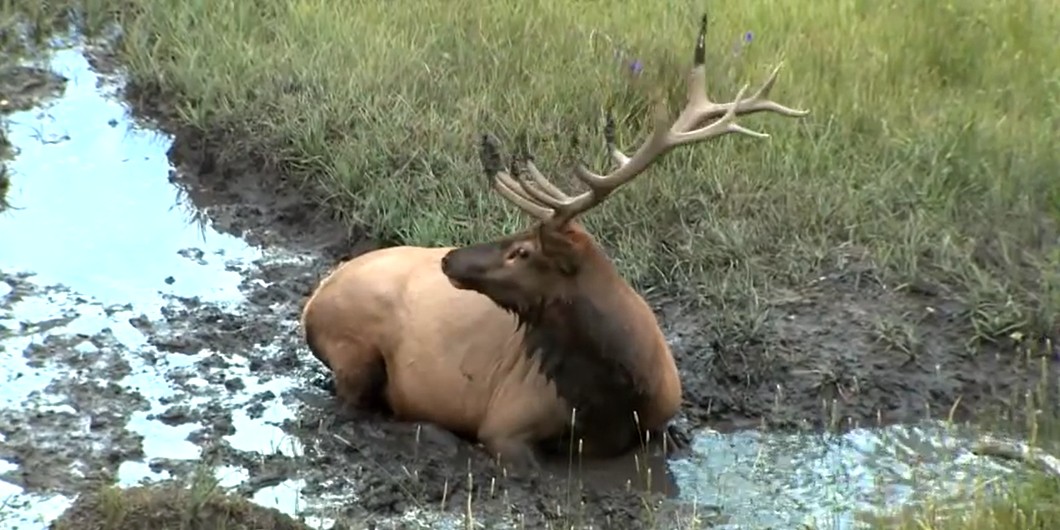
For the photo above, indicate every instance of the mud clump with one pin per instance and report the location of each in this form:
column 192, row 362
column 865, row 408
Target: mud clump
column 392, row 468
column 170, row 507
column 5, row 179
column 71, row 428
column 24, row 87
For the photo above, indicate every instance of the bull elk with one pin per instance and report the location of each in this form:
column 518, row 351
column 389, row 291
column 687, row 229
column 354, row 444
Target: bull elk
column 521, row 342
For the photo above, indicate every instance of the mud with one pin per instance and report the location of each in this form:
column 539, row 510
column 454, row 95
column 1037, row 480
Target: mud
column 24, row 87
column 171, row 346
column 844, row 346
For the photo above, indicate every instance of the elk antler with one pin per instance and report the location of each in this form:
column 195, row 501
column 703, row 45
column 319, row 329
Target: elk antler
column 541, row 199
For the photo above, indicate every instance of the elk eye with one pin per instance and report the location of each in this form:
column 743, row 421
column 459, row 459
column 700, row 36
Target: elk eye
column 521, row 253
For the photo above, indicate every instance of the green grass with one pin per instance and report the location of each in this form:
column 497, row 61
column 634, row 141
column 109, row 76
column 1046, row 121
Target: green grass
column 930, row 151
column 1030, row 505
column 197, row 503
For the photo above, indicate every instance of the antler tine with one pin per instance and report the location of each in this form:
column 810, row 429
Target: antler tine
column 700, row 108
column 667, row 135
column 670, row 134
column 504, row 183
column 704, row 109
column 538, row 195
column 538, row 178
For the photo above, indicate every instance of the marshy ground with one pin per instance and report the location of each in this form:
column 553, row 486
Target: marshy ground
column 891, row 258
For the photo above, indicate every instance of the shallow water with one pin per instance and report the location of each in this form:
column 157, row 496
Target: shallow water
column 102, row 249
column 100, row 237
column 768, row 480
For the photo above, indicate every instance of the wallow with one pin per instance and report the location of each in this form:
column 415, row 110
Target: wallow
column 530, row 341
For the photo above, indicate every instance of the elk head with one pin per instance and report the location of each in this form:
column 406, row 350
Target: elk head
column 551, row 258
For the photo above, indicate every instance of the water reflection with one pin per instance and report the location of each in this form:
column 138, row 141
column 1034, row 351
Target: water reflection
column 100, row 237
column 825, row 480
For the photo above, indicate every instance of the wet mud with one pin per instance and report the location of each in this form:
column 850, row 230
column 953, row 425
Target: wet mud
column 873, row 353
column 199, row 362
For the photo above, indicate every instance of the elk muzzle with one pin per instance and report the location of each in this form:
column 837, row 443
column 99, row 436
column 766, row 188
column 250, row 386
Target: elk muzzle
column 469, row 267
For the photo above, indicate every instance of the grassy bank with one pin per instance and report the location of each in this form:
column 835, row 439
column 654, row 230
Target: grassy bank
column 929, row 154
column 1028, row 506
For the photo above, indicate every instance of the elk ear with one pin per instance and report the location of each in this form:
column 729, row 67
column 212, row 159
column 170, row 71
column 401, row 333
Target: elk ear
column 560, row 246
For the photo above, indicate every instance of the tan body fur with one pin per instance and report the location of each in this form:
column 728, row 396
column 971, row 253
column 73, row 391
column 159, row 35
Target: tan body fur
column 452, row 357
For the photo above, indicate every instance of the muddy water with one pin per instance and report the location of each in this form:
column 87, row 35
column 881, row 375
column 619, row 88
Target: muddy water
column 760, row 480
column 137, row 343
column 99, row 251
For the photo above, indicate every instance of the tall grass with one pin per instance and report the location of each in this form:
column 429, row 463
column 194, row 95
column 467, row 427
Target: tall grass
column 930, row 151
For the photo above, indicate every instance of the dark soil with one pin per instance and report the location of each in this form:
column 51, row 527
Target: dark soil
column 23, row 87
column 845, row 349
column 170, row 507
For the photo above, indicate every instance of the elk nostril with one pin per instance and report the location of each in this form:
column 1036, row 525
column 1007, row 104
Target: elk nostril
column 445, row 261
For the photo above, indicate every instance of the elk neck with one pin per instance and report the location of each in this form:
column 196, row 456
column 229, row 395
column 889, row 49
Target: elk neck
column 585, row 343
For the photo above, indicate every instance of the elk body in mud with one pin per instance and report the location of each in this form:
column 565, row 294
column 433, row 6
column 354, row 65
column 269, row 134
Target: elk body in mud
column 522, row 342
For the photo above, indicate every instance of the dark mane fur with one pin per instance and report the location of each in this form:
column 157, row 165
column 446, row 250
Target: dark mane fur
column 586, row 353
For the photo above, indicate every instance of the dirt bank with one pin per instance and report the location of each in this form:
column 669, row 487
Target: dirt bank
column 843, row 349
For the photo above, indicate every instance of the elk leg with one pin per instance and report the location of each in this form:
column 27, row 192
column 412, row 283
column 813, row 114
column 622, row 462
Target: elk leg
column 360, row 382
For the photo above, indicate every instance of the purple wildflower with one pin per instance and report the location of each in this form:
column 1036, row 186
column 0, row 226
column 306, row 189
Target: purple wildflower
column 636, row 66
column 739, row 45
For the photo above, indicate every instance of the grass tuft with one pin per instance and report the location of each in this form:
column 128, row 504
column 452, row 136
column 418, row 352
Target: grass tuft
column 198, row 504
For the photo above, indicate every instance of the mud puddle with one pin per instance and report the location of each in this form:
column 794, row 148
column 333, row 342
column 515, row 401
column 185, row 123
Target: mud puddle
column 138, row 343
column 127, row 351
column 836, row 481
